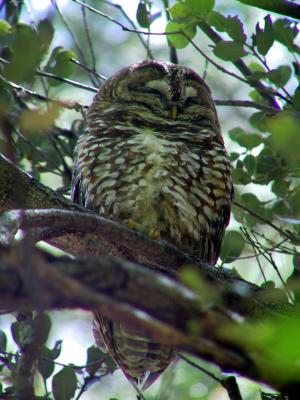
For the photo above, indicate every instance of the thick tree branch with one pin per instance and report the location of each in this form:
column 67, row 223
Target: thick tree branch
column 283, row 7
column 65, row 229
column 117, row 290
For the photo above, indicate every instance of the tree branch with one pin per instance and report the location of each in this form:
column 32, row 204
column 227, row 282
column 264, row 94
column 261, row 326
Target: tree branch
column 283, row 7
column 242, row 67
column 116, row 289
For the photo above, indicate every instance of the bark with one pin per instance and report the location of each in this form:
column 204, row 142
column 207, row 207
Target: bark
column 117, row 290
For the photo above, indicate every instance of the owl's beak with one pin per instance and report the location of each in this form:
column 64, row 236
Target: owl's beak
column 173, row 111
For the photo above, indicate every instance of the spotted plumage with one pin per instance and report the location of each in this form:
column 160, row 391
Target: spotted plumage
column 153, row 158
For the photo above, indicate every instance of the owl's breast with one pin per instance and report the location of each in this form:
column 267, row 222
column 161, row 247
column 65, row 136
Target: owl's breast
column 164, row 185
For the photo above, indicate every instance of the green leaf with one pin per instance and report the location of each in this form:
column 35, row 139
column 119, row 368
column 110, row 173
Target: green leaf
column 4, row 28
column 143, row 15
column 258, row 120
column 55, row 352
column 42, row 326
column 273, row 343
column 296, row 100
column 178, row 40
column 190, row 277
column 234, row 156
column 235, row 29
column 280, row 187
column 217, row 20
column 247, row 140
column 3, row 341
column 232, row 247
column 15, row 331
column 95, row 358
column 34, row 121
column 251, row 201
column 26, row 54
column 255, row 67
column 250, row 163
column 60, row 64
column 45, row 363
column 202, row 7
column 295, row 202
column 264, row 38
column 179, row 12
column 267, row 167
column 285, row 31
column 64, row 384
column 240, row 177
column 284, row 138
column 280, row 76
column 229, row 50
column 231, row 25
column 45, row 33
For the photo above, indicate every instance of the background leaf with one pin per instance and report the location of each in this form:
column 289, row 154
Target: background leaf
column 229, row 50
column 64, row 384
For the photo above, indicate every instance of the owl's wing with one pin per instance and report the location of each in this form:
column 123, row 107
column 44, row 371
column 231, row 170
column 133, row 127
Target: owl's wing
column 219, row 227
column 77, row 194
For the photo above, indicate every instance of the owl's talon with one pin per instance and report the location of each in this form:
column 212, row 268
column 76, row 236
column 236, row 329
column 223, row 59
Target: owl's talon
column 155, row 234
column 132, row 225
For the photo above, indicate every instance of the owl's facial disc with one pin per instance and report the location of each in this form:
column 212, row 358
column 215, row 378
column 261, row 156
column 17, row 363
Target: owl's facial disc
column 166, row 90
column 172, row 101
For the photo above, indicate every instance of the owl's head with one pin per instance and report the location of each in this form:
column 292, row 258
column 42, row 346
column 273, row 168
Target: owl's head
column 167, row 90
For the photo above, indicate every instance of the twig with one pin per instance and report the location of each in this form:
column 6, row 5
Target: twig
column 73, row 60
column 67, row 173
column 257, row 216
column 68, row 81
column 173, row 52
column 38, row 151
column 219, row 67
column 241, row 66
column 65, row 104
column 259, row 263
column 262, row 60
column 125, row 28
column 233, row 390
column 247, row 104
column 75, row 41
column 58, row 78
column 197, row 366
column 90, row 44
column 269, row 258
column 125, row 15
column 229, row 383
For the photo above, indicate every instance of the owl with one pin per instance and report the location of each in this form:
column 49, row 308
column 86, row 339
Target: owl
column 153, row 158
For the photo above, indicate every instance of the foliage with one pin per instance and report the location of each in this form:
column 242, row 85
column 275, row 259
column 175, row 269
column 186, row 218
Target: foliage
column 36, row 69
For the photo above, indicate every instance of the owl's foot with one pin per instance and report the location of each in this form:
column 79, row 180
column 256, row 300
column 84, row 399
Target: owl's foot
column 155, row 234
column 132, row 225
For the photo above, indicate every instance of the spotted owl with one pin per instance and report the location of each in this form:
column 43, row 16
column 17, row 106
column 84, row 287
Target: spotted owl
column 153, row 158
